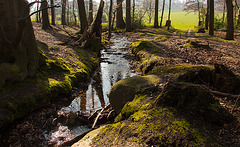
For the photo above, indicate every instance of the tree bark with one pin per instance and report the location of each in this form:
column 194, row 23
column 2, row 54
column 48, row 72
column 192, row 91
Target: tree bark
column 74, row 15
column 133, row 13
column 128, row 15
column 82, row 15
column 53, row 12
column 168, row 23
column 92, row 37
column 45, row 19
column 110, row 20
column 63, row 12
column 119, row 22
column 211, row 17
column 230, row 25
column 37, row 15
column 90, row 16
column 207, row 16
column 19, row 55
column 224, row 9
column 156, row 14
column 163, row 6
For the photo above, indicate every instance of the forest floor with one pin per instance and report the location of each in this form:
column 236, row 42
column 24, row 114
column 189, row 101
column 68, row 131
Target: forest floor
column 213, row 49
column 134, row 127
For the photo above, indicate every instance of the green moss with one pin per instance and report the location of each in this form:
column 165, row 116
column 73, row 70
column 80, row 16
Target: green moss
column 161, row 37
column 180, row 69
column 54, row 77
column 188, row 45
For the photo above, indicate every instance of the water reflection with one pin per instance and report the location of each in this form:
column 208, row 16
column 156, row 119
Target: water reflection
column 113, row 67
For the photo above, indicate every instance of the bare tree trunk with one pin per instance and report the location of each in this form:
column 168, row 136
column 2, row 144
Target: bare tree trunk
column 82, row 15
column 45, row 19
column 109, row 20
column 90, row 17
column 92, row 36
column 168, row 23
column 133, row 13
column 68, row 12
column 74, row 15
column 53, row 12
column 113, row 21
column 63, row 12
column 230, row 26
column 199, row 18
column 37, row 15
column 211, row 17
column 120, row 22
column 224, row 9
column 163, row 6
column 128, row 15
column 156, row 14
column 207, row 16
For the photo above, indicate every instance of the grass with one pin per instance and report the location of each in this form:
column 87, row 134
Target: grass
column 180, row 20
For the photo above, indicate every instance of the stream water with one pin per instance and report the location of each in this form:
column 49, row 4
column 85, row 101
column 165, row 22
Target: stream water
column 114, row 66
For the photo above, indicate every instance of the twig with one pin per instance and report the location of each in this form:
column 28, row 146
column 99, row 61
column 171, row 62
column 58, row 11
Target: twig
column 224, row 94
column 24, row 18
column 96, row 119
column 235, row 104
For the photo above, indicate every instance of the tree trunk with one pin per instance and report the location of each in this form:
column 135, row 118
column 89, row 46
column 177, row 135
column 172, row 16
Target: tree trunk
column 156, row 14
column 90, row 17
column 207, row 16
column 68, row 12
column 82, row 15
column 128, row 15
column 230, row 26
column 74, row 15
column 211, row 17
column 120, row 22
column 133, row 13
column 113, row 19
column 37, row 15
column 45, row 19
column 224, row 9
column 63, row 12
column 109, row 20
column 199, row 17
column 19, row 55
column 53, row 12
column 168, row 23
column 92, row 37
column 163, row 6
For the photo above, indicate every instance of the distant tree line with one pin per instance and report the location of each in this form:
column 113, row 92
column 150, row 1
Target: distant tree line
column 128, row 14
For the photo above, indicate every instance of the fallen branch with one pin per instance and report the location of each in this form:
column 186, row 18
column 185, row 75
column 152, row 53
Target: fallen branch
column 99, row 114
column 224, row 94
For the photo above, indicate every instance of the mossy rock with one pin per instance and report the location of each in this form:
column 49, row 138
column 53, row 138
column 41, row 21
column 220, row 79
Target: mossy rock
column 195, row 99
column 125, row 90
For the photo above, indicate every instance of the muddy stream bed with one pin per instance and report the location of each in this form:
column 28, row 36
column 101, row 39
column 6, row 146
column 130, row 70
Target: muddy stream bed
column 58, row 122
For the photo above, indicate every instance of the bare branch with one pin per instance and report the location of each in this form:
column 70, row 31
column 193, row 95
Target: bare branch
column 24, row 18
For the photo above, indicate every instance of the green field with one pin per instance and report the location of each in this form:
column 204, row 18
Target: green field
column 180, row 20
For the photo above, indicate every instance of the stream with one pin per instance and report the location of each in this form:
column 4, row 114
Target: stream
column 114, row 66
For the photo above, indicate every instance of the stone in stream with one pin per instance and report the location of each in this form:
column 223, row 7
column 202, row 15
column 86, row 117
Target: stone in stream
column 125, row 90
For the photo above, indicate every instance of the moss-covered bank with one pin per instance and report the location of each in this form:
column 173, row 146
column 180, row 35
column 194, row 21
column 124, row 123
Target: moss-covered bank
column 54, row 78
column 179, row 111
